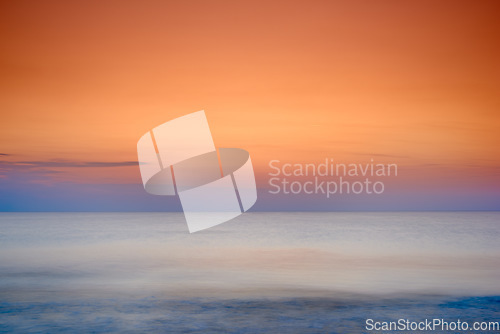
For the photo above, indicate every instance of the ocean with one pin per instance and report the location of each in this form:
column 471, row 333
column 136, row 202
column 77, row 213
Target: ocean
column 294, row 272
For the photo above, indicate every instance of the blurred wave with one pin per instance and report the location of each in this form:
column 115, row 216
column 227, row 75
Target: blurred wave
column 262, row 272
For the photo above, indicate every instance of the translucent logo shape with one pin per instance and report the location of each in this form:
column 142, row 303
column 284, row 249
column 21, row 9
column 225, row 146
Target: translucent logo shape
column 178, row 158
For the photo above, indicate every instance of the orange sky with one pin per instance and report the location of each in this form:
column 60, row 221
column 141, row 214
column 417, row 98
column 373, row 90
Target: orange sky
column 411, row 82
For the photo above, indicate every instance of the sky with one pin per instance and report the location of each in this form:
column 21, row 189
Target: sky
column 415, row 83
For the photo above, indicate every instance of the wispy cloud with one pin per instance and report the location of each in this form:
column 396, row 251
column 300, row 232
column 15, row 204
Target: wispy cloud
column 50, row 171
column 382, row 155
column 66, row 164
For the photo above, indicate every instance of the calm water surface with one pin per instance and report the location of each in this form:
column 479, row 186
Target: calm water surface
column 261, row 272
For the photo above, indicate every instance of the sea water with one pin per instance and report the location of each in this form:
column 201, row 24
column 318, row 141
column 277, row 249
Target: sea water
column 291, row 272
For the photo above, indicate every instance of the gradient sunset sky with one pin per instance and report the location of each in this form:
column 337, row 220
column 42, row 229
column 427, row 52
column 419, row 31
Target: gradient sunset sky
column 415, row 83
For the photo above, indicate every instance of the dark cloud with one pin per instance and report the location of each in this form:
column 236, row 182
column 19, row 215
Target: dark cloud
column 66, row 163
column 43, row 171
column 4, row 154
